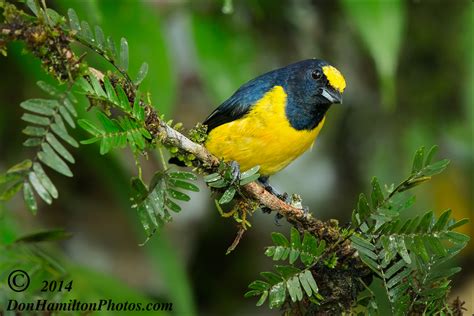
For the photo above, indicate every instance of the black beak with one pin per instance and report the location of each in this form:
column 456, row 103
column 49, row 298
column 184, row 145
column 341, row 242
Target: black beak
column 331, row 95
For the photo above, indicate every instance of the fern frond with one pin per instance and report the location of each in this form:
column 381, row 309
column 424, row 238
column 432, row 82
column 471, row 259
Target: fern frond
column 45, row 118
column 155, row 201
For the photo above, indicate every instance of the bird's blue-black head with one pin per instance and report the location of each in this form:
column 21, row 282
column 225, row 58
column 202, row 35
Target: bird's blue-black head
column 311, row 86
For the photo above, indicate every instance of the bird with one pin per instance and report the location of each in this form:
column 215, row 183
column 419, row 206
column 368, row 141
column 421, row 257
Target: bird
column 273, row 119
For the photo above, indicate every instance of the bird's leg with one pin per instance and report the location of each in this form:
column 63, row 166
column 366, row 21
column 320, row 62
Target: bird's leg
column 284, row 197
column 272, row 190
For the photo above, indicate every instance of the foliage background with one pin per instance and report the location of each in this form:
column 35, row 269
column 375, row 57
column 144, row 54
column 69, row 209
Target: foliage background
column 409, row 69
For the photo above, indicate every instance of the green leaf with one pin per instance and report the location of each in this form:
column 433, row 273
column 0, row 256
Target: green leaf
column 458, row 223
column 271, row 277
column 295, row 240
column 277, row 295
column 54, row 17
column 402, row 250
column 124, row 54
column 138, row 111
column 34, row 131
column 172, row 206
column 99, row 37
column 84, row 85
column 40, row 106
column 431, row 153
column 361, row 242
column 425, row 223
column 281, row 253
column 249, row 179
column 263, row 298
column 33, row 7
column 67, row 116
column 178, row 195
column 182, row 175
column 456, row 237
column 287, row 271
column 52, row 160
column 309, row 246
column 305, row 283
column 53, row 141
column 435, row 168
column 308, row 276
column 50, row 235
column 42, row 192
column 374, row 266
column 111, row 49
column 294, row 289
column 376, row 195
column 398, row 278
column 227, row 196
column 123, row 98
column 89, row 127
column 141, row 74
column 252, row 293
column 73, row 20
column 420, row 248
column 259, row 285
column 418, row 160
column 21, row 166
column 61, row 132
column 395, row 268
column 86, row 32
column 442, row 221
column 11, row 191
column 443, row 273
column 249, row 172
column 184, row 185
column 44, row 180
column 32, row 142
column 139, row 189
column 35, row 119
column 50, row 89
column 29, row 198
column 280, row 240
column 363, row 207
column 10, row 177
column 436, row 245
column 109, row 89
column 97, row 87
column 212, row 177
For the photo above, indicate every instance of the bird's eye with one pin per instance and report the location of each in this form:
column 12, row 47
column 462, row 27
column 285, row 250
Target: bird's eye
column 316, row 75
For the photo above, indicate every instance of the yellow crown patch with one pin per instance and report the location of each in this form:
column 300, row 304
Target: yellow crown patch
column 335, row 78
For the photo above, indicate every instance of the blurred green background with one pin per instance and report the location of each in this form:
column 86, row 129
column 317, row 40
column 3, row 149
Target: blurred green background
column 409, row 72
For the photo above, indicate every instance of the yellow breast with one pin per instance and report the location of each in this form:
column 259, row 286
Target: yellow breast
column 262, row 137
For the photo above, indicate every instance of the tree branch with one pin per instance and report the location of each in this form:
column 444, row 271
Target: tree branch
column 65, row 65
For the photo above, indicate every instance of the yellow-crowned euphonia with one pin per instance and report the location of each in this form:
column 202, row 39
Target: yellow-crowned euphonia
column 276, row 117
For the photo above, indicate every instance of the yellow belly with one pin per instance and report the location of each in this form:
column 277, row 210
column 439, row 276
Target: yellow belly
column 262, row 137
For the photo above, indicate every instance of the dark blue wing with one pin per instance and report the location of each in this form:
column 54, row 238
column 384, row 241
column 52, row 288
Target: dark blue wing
column 242, row 101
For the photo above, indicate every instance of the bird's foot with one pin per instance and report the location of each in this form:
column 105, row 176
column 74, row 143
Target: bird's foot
column 282, row 196
column 278, row 217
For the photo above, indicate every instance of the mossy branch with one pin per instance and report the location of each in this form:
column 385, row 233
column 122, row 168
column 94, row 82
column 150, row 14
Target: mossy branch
column 52, row 46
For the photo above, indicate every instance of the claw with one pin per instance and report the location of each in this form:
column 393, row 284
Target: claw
column 266, row 210
column 282, row 196
column 278, row 216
